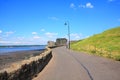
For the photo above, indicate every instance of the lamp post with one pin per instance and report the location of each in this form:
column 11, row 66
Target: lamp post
column 67, row 23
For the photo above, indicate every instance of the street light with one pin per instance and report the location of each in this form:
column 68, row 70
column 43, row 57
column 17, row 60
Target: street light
column 67, row 23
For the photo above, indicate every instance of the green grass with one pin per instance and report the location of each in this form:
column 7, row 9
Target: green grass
column 106, row 44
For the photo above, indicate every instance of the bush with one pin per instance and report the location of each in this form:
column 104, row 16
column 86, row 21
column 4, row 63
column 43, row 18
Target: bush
column 93, row 51
column 117, row 58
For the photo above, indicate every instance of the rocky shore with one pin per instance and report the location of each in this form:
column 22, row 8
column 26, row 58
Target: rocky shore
column 7, row 58
column 27, row 67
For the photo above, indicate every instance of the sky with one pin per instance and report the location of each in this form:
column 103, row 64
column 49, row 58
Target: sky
column 28, row 22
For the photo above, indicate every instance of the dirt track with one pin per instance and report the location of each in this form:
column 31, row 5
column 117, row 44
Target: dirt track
column 70, row 65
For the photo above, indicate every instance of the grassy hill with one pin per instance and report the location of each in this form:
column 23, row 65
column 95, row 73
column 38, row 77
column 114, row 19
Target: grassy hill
column 106, row 44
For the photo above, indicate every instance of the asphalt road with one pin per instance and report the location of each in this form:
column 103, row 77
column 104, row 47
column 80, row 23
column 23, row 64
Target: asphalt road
column 70, row 65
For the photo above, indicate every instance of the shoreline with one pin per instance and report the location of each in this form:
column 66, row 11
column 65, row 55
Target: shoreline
column 6, row 59
column 28, row 68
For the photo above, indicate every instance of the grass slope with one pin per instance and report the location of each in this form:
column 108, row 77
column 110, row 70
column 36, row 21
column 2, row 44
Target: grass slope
column 106, row 44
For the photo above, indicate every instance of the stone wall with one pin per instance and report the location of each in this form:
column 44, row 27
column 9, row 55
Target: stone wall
column 26, row 69
column 51, row 44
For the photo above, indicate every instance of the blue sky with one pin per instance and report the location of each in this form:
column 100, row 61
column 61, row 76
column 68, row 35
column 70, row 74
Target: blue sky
column 37, row 21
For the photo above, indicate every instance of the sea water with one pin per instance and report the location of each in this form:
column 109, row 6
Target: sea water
column 7, row 49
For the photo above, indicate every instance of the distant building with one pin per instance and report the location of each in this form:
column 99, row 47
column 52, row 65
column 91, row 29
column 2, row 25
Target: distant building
column 61, row 42
column 51, row 44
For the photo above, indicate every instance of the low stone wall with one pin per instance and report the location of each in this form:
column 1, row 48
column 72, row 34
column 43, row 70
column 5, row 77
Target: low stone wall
column 26, row 69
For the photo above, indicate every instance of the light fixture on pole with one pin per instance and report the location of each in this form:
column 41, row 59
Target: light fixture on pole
column 67, row 23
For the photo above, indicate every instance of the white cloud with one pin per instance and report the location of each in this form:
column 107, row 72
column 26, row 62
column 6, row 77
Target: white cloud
column 51, row 35
column 53, row 18
column 72, row 5
column 82, row 6
column 42, row 30
column 7, row 42
column 75, row 36
column 17, row 42
column 4, row 42
column 87, row 5
column 14, row 42
column 34, row 33
column 36, row 37
column 0, row 31
column 87, row 36
column 9, row 33
column 20, row 38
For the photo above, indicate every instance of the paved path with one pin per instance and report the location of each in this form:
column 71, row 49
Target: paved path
column 70, row 65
